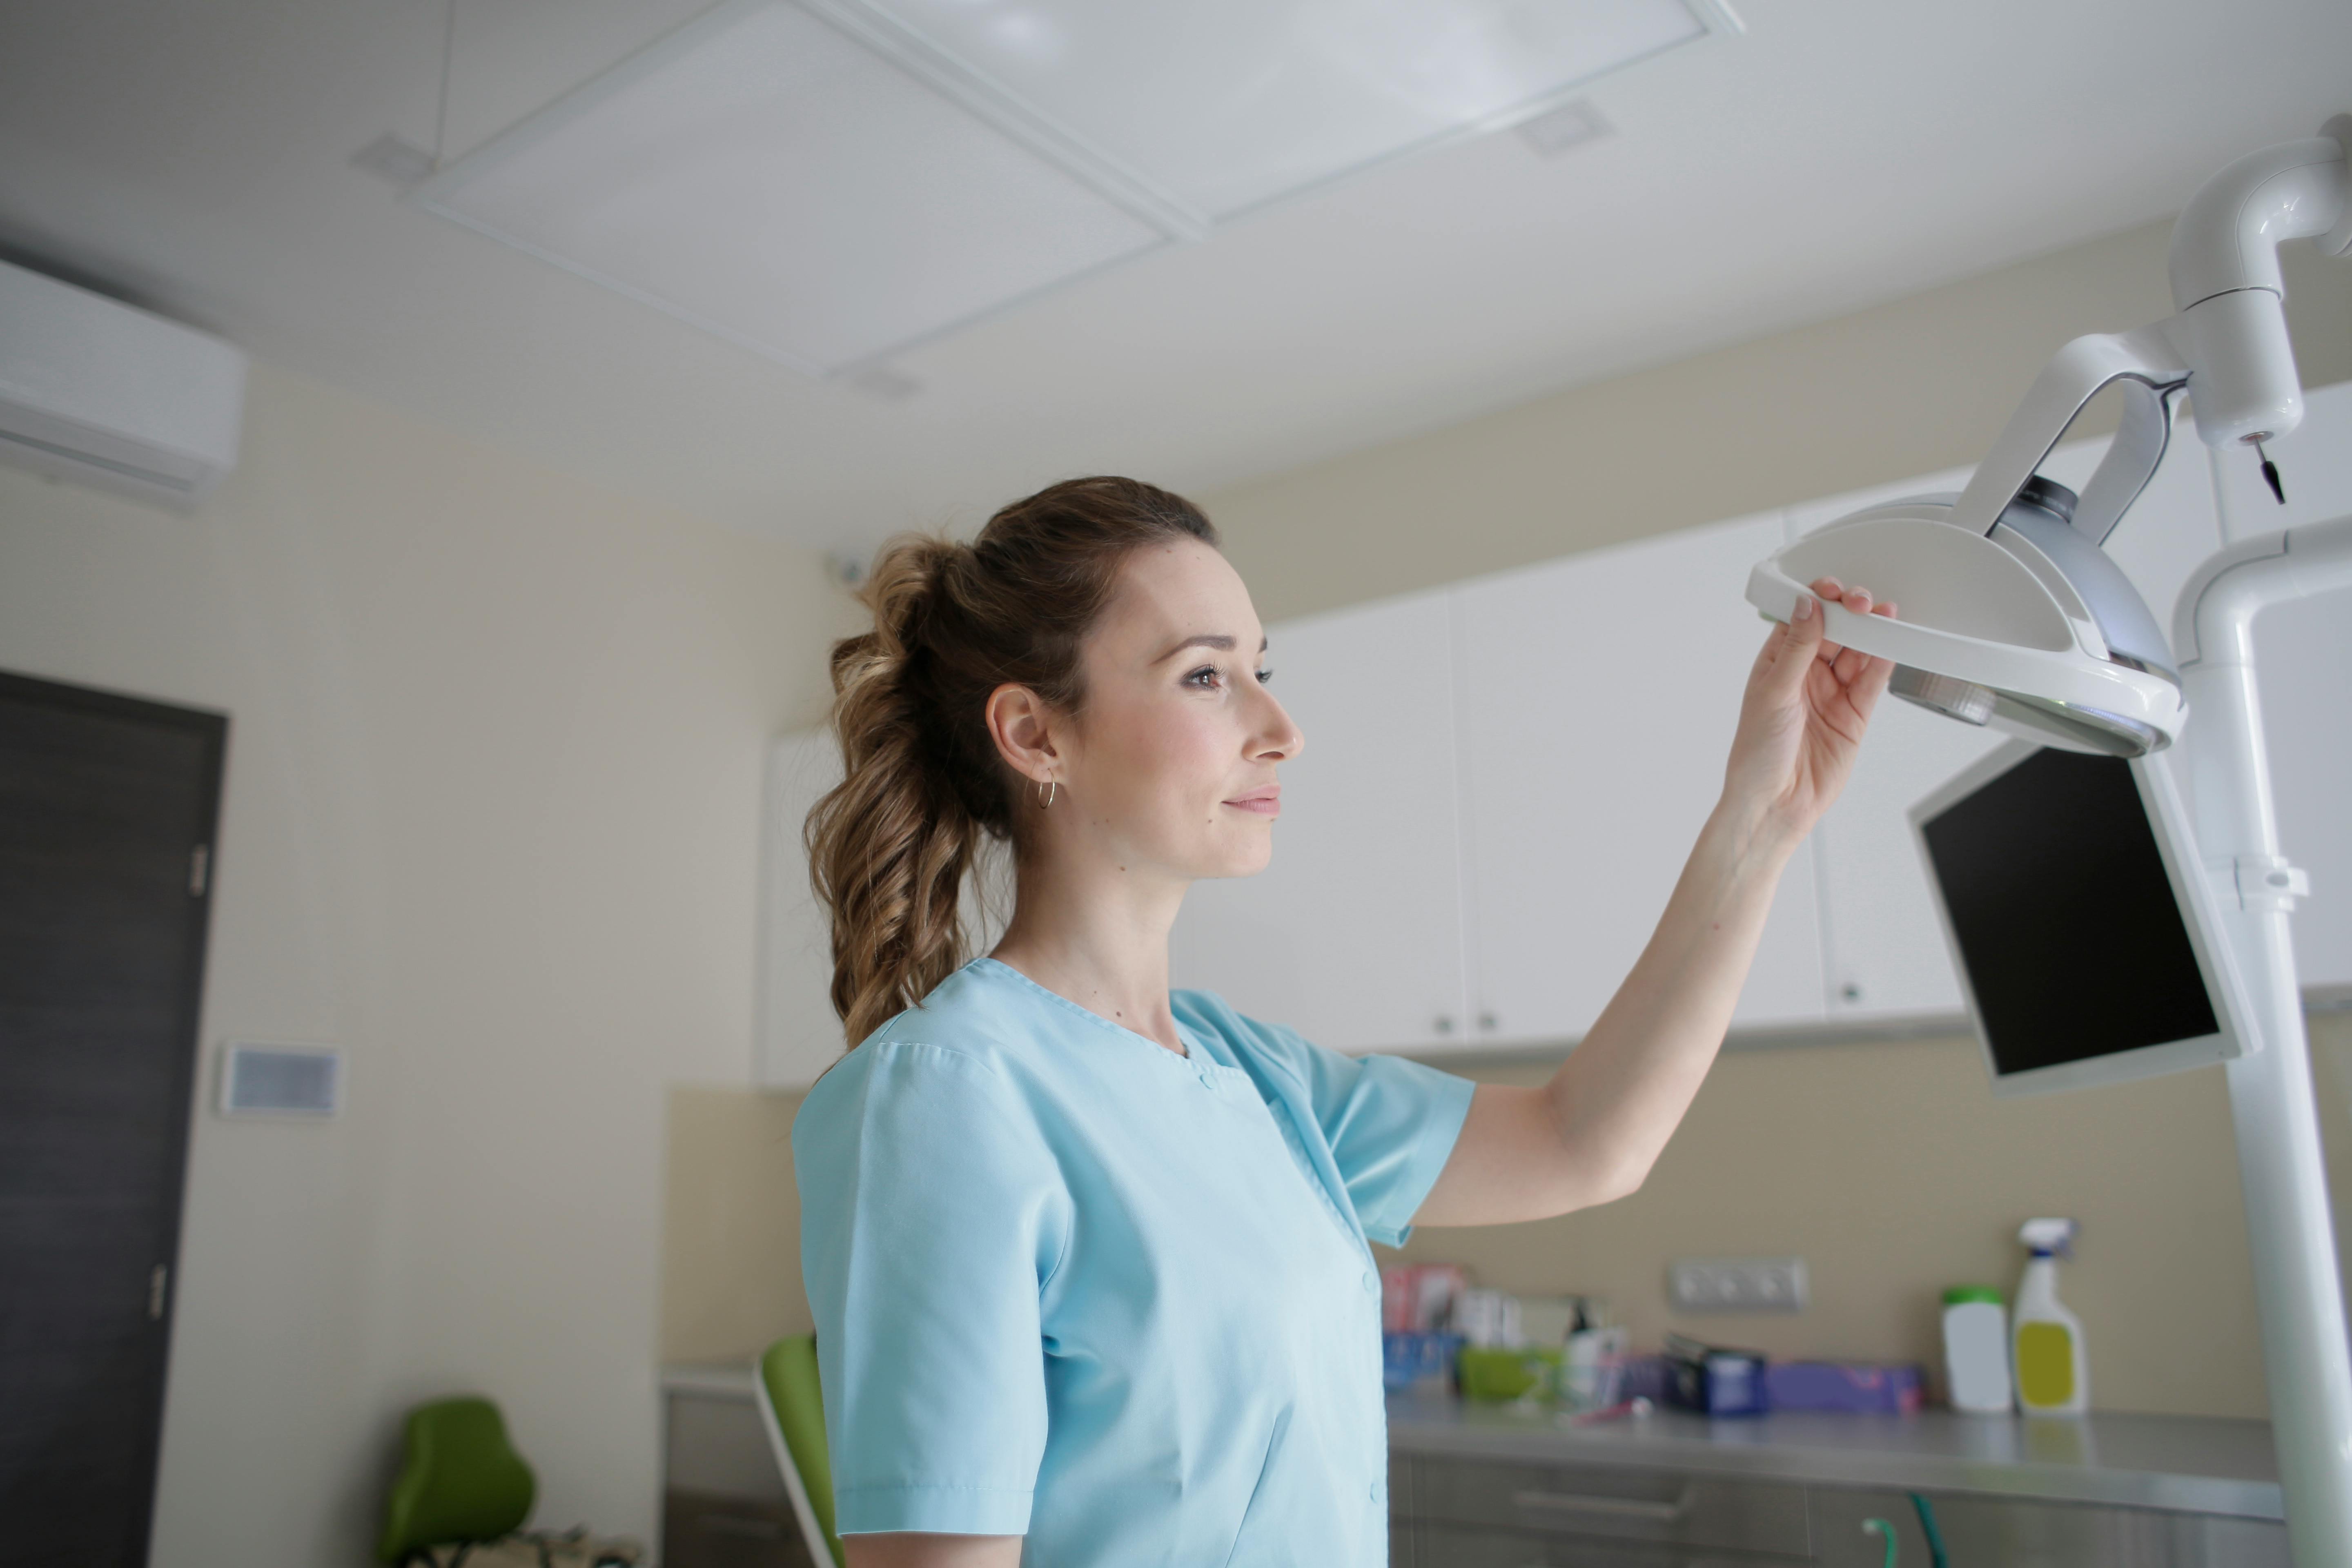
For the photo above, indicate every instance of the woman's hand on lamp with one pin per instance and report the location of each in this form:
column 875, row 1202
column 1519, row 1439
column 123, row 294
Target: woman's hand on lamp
column 1808, row 701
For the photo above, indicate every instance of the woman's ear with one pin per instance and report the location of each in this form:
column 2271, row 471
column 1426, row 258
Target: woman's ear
column 1022, row 727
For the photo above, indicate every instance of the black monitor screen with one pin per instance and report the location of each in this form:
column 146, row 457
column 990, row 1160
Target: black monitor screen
column 2074, row 945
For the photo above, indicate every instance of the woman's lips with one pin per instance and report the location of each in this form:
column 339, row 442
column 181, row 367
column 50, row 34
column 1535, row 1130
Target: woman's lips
column 1266, row 802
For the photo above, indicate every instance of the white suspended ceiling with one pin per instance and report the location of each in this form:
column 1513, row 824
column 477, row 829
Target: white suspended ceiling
column 198, row 155
column 830, row 181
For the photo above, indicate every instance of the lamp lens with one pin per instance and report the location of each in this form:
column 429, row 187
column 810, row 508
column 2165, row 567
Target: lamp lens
column 1961, row 700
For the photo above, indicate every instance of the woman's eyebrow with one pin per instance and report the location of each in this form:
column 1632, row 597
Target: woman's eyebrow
column 1205, row 639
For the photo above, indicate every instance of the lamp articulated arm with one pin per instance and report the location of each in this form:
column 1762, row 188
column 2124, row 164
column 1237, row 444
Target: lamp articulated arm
column 2228, row 347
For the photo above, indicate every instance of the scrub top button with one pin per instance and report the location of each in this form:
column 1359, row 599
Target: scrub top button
column 1372, row 1283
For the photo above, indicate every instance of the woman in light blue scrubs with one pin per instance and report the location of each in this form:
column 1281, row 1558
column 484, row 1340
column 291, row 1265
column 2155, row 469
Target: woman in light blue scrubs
column 1089, row 1257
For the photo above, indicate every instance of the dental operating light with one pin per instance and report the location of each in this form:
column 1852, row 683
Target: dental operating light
column 2013, row 616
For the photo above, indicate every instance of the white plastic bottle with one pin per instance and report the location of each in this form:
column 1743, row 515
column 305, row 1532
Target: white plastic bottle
column 2054, row 1378
column 1975, row 1349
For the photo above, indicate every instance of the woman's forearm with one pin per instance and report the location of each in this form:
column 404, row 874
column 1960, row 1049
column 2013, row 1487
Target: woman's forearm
column 1621, row 1092
column 1591, row 1134
column 1596, row 1129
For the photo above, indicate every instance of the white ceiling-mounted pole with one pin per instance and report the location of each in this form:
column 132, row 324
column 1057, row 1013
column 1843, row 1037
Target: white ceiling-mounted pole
column 2232, row 331
column 2306, row 1356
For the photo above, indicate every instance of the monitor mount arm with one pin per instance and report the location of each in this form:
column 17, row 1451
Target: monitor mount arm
column 2228, row 345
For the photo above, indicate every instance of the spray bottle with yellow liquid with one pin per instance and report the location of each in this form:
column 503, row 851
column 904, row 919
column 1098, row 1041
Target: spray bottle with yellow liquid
column 2054, row 1378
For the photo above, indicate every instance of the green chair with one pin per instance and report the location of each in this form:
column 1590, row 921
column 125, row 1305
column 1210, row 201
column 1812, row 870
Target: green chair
column 791, row 1407
column 460, row 1480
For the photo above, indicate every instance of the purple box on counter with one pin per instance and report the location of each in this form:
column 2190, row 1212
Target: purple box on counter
column 1859, row 1387
column 1410, row 1358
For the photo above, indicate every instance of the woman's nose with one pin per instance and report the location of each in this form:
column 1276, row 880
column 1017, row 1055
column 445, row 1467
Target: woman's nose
column 1282, row 741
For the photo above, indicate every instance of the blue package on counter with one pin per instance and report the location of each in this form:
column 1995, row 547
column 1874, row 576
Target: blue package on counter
column 1410, row 1358
column 1715, row 1381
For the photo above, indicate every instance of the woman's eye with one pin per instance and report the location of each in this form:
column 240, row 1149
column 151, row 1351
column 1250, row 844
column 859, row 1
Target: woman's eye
column 1205, row 678
column 1266, row 678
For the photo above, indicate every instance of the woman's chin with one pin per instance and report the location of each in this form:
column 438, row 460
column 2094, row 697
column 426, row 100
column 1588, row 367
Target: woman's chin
column 1246, row 860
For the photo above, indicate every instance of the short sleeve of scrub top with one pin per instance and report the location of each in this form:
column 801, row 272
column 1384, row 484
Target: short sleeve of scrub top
column 1072, row 1286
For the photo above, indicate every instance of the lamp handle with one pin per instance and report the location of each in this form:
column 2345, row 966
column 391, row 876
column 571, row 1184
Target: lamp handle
column 2155, row 372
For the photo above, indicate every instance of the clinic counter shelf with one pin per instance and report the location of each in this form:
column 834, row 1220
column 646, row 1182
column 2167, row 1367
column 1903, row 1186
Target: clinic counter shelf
column 2182, row 1463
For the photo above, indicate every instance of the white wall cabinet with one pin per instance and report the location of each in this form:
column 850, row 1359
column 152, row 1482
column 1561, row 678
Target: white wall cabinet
column 1353, row 935
column 1597, row 698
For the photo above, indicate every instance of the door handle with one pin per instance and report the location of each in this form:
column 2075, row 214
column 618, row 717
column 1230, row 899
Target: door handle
column 1614, row 1507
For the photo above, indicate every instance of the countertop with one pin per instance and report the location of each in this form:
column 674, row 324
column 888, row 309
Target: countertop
column 2192, row 1463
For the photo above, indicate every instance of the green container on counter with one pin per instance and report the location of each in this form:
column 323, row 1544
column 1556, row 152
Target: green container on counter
column 1500, row 1374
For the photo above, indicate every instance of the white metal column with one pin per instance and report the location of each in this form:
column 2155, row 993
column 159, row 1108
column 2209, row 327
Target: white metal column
column 2306, row 1356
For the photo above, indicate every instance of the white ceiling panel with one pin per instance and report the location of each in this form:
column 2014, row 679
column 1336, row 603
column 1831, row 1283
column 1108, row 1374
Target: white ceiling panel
column 1221, row 106
column 765, row 177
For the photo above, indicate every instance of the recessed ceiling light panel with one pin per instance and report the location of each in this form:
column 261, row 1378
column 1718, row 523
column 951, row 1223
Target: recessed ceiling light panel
column 829, row 181
column 1227, row 105
column 768, row 178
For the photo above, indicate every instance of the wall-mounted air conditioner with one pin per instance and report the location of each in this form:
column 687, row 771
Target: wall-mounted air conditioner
column 93, row 390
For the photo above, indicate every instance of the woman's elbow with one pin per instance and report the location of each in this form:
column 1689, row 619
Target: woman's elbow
column 1619, row 1178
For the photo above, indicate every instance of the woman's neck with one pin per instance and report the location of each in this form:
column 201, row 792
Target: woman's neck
column 1097, row 937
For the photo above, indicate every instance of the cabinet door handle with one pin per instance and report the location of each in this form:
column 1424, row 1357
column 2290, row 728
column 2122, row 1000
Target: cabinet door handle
column 735, row 1524
column 1616, row 1506
column 1443, row 1023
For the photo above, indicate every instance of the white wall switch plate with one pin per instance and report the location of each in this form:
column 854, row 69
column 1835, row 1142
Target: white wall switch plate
column 1737, row 1284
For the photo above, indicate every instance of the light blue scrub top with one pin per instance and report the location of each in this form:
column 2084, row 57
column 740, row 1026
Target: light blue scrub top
column 1072, row 1286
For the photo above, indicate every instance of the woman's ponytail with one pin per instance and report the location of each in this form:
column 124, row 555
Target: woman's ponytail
column 923, row 789
column 888, row 848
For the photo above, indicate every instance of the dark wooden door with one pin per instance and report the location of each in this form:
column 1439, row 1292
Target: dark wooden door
column 107, row 812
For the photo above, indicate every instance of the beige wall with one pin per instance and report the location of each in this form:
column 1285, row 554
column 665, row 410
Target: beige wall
column 490, row 822
column 1904, row 388
column 1893, row 1170
column 731, row 1226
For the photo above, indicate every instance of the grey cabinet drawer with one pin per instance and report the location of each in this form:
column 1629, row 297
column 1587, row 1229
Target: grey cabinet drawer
column 1600, row 1501
column 2017, row 1532
column 702, row 1530
column 1400, row 1541
column 1445, row 1546
column 717, row 1446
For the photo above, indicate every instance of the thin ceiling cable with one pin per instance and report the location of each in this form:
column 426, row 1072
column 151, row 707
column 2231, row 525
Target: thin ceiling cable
column 448, row 45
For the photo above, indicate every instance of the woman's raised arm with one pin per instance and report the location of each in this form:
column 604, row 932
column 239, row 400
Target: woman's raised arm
column 1591, row 1134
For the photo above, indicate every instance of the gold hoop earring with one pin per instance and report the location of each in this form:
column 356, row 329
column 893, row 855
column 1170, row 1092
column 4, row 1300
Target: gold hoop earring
column 1045, row 795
